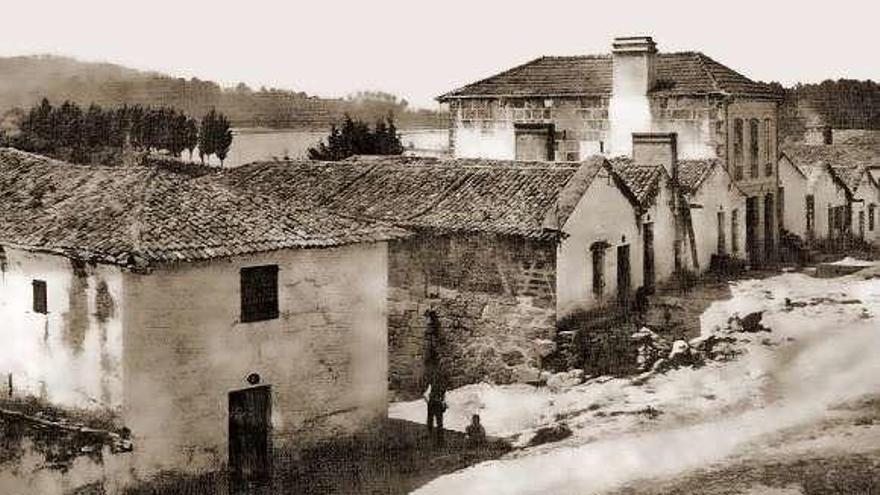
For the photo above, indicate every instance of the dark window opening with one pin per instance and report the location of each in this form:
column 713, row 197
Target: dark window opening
column 753, row 148
column 722, row 244
column 811, row 215
column 734, row 231
column 737, row 149
column 871, row 217
column 259, row 293
column 41, row 303
column 597, row 251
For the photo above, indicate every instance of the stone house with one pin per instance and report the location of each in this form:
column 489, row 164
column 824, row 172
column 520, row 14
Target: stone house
column 502, row 251
column 841, row 194
column 210, row 322
column 568, row 108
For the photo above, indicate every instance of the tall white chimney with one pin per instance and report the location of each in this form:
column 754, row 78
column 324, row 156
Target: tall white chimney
column 633, row 76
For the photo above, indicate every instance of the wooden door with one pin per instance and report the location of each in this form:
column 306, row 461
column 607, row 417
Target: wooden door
column 862, row 225
column 752, row 246
column 250, row 412
column 623, row 275
column 649, row 257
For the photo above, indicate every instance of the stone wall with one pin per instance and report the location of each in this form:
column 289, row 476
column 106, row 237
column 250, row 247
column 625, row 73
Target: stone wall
column 186, row 348
column 493, row 296
column 484, row 128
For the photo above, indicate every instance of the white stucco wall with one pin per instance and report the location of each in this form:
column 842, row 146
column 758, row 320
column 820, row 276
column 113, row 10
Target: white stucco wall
column 603, row 214
column 716, row 194
column 865, row 196
column 795, row 203
column 660, row 214
column 70, row 356
column 827, row 192
column 325, row 357
column 493, row 141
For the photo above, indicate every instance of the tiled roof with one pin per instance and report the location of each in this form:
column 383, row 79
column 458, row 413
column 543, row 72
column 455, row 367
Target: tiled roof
column 683, row 73
column 692, row 173
column 642, row 180
column 136, row 216
column 847, row 162
column 529, row 199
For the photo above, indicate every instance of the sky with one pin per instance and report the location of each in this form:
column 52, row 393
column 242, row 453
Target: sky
column 419, row 49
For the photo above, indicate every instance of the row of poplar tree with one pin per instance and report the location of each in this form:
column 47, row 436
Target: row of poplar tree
column 69, row 132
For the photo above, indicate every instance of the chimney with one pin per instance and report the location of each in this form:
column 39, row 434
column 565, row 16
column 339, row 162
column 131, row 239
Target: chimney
column 656, row 148
column 633, row 76
column 633, row 65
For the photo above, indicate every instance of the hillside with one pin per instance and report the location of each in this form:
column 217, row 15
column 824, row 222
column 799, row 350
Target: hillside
column 841, row 104
column 25, row 80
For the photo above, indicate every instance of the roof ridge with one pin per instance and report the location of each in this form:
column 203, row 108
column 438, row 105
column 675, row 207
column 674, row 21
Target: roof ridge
column 701, row 59
column 493, row 76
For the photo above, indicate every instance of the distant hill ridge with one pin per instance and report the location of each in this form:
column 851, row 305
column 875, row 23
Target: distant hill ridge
column 25, row 80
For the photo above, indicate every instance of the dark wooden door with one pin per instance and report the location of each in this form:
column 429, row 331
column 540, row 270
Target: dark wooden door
column 752, row 246
column 623, row 275
column 649, row 257
column 250, row 412
column 769, row 230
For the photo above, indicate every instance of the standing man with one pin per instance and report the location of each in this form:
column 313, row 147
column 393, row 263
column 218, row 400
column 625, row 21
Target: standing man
column 435, row 396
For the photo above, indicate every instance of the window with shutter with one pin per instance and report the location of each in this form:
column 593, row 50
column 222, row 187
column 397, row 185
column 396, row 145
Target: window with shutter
column 40, row 298
column 259, row 293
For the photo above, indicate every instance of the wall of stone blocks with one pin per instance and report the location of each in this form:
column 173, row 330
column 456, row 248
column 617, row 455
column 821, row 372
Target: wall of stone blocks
column 493, row 296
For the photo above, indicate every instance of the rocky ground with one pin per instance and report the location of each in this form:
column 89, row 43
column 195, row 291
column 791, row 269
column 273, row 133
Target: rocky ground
column 777, row 395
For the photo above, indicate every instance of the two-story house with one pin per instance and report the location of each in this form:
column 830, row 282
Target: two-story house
column 567, row 108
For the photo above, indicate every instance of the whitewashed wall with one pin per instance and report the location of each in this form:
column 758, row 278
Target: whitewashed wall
column 70, row 356
column 827, row 192
column 865, row 195
column 795, row 198
column 716, row 194
column 603, row 214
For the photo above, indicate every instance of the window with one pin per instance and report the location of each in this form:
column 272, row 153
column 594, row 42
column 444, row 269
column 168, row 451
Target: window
column 40, row 298
column 737, row 149
column 597, row 251
column 753, row 148
column 811, row 215
column 722, row 247
column 768, row 157
column 734, row 231
column 534, row 142
column 259, row 293
column 871, row 217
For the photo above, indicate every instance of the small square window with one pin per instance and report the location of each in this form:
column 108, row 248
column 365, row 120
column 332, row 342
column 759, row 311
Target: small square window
column 259, row 293
column 40, row 298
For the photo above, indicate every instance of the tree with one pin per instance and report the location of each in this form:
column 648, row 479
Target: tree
column 223, row 138
column 354, row 137
column 206, row 135
column 215, row 136
column 191, row 136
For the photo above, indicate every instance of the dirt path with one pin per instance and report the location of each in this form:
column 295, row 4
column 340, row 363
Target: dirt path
column 825, row 353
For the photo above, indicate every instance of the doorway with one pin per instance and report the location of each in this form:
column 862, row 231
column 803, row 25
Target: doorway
column 623, row 275
column 250, row 412
column 769, row 230
column 752, row 246
column 648, row 267
column 862, row 225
